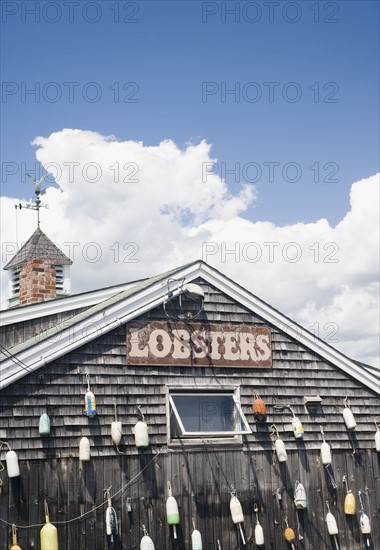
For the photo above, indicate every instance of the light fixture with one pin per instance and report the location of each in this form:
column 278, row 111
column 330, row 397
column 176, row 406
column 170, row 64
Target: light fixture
column 179, row 306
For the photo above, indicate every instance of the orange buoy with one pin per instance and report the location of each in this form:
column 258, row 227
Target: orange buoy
column 259, row 408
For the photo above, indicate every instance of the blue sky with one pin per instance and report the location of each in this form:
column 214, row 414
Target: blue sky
column 169, row 53
column 284, row 95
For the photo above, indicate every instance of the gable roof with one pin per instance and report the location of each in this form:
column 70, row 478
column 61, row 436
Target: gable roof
column 39, row 247
column 146, row 295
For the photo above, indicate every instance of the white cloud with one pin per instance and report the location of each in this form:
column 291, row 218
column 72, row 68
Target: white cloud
column 148, row 210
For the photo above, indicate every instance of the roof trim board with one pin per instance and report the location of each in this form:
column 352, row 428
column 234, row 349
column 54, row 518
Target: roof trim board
column 148, row 294
column 24, row 313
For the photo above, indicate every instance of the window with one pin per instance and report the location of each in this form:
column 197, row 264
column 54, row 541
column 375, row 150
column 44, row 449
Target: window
column 198, row 414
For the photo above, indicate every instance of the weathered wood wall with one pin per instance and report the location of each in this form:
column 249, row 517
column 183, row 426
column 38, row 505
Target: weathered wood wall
column 50, row 467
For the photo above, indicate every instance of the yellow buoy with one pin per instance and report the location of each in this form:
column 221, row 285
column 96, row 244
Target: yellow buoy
column 48, row 533
column 14, row 546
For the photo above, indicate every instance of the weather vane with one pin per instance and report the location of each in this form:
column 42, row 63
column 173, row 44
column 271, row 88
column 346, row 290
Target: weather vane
column 37, row 204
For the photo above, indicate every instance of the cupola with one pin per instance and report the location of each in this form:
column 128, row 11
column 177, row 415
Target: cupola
column 39, row 271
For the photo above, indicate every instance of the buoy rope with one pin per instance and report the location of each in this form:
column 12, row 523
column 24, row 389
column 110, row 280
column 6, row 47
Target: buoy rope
column 78, row 518
column 230, row 485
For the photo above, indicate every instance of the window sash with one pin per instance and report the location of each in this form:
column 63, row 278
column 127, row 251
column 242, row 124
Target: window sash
column 240, row 419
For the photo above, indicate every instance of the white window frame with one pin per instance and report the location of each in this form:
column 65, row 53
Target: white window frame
column 231, row 391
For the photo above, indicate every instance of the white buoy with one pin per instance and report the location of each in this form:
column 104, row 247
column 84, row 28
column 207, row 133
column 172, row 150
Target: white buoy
column 377, row 441
column 116, row 432
column 196, row 538
column 259, row 532
column 146, row 543
column 332, row 526
column 172, row 513
column 141, row 431
column 377, row 435
column 112, row 527
column 325, row 451
column 84, row 449
column 365, row 526
column 141, row 434
column 237, row 514
column 11, row 460
column 300, row 496
column 348, row 416
column 280, row 450
column 44, row 425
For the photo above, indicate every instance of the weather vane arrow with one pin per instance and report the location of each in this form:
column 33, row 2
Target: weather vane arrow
column 37, row 204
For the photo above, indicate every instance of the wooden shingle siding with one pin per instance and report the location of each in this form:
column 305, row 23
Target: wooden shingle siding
column 12, row 335
column 200, row 475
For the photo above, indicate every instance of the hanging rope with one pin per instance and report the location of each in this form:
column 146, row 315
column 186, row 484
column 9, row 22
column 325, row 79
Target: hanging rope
column 78, row 518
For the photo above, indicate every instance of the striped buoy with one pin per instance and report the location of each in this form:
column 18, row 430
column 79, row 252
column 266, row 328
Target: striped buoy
column 89, row 400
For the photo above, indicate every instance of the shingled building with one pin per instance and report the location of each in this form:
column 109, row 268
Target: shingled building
column 189, row 362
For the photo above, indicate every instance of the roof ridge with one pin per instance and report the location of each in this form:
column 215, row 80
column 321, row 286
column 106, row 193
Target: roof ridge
column 39, row 247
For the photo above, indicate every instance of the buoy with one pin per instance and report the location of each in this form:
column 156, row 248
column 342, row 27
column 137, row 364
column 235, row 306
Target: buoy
column 377, row 435
column 11, row 460
column 196, row 539
column 116, row 429
column 84, row 450
column 325, row 450
column 112, row 528
column 44, row 425
column 349, row 504
column 140, row 432
column 377, row 441
column 15, row 545
column 280, row 450
column 365, row 526
column 172, row 513
column 48, row 533
column 259, row 532
column 278, row 444
column 300, row 496
column 349, row 501
column 89, row 400
column 237, row 513
column 348, row 416
column 332, row 526
column 289, row 534
column 298, row 430
column 146, row 542
column 259, row 408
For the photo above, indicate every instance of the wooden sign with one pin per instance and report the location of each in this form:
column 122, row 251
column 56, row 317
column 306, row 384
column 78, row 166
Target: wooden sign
column 198, row 344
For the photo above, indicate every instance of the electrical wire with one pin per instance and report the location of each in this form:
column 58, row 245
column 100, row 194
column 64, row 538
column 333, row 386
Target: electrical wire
column 15, row 360
column 78, row 518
